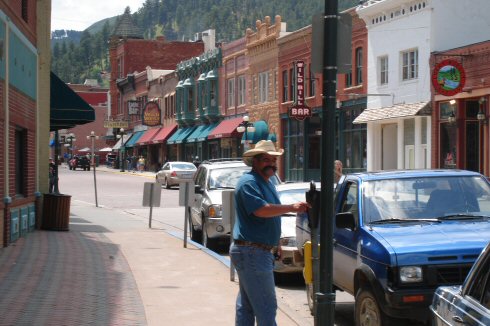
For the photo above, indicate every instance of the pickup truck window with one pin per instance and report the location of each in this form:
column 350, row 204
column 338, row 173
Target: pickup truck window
column 425, row 198
column 480, row 291
column 350, row 199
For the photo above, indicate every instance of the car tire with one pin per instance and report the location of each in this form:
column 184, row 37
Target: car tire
column 206, row 241
column 167, row 185
column 367, row 310
column 196, row 235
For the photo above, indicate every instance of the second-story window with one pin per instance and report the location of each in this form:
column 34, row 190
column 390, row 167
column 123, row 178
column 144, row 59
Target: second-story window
column 410, row 64
column 358, row 66
column 348, row 79
column 311, row 83
column 241, row 90
column 230, row 101
column 263, row 87
column 383, row 70
column 285, row 87
column 120, row 67
column 25, row 10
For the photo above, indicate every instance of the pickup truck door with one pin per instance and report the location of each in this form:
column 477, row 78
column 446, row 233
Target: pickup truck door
column 346, row 241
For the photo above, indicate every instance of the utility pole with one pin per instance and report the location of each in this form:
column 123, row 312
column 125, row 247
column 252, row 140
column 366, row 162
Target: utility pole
column 325, row 298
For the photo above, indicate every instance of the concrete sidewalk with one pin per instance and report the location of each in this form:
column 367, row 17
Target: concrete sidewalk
column 111, row 269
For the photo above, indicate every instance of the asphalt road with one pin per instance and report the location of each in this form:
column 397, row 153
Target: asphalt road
column 124, row 191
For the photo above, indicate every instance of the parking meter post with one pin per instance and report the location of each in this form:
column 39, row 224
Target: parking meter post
column 186, row 197
column 186, row 217
column 151, row 204
column 228, row 217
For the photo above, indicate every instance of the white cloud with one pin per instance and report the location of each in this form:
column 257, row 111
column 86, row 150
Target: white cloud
column 80, row 14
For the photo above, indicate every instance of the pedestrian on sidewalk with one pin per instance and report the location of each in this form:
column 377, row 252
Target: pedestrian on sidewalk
column 256, row 235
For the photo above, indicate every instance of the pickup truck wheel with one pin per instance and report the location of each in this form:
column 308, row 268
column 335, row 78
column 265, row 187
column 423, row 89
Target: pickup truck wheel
column 367, row 310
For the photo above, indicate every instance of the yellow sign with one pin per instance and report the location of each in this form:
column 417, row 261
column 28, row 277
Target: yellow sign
column 116, row 124
column 152, row 114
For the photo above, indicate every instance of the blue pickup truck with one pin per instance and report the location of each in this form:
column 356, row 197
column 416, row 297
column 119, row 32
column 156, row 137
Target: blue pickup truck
column 398, row 235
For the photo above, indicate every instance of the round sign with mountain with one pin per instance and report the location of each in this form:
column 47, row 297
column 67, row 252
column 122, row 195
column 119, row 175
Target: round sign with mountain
column 448, row 77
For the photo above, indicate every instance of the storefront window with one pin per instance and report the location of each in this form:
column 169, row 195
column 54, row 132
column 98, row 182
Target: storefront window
column 448, row 145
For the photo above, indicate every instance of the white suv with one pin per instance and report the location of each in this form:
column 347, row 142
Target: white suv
column 211, row 178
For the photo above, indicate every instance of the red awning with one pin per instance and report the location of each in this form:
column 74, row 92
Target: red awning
column 147, row 137
column 227, row 128
column 163, row 134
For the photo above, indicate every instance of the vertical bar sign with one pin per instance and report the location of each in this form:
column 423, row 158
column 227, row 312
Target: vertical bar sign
column 300, row 83
column 300, row 110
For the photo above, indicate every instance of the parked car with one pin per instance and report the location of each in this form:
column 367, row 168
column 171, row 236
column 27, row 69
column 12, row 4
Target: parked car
column 291, row 260
column 468, row 304
column 172, row 173
column 399, row 235
column 81, row 162
column 211, row 178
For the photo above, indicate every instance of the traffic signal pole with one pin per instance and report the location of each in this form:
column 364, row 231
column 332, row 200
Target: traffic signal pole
column 325, row 298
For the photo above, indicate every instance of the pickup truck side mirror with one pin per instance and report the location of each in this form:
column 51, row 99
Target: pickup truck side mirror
column 345, row 220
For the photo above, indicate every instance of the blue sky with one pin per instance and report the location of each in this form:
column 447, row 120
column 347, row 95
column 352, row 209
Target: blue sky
column 80, row 14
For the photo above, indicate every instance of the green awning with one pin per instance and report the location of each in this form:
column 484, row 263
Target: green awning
column 204, row 134
column 67, row 108
column 134, row 139
column 181, row 135
column 195, row 134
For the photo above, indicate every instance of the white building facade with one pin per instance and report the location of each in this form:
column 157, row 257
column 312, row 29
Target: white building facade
column 402, row 34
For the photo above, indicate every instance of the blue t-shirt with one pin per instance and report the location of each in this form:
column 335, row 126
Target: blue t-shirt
column 253, row 192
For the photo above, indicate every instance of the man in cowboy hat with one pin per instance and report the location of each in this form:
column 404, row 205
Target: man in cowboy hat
column 256, row 234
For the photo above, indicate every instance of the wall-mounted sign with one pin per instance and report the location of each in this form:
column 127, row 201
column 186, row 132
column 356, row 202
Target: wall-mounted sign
column 151, row 114
column 300, row 110
column 448, row 77
column 116, row 124
column 134, row 107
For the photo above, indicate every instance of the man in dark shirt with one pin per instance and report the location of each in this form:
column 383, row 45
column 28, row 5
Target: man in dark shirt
column 256, row 234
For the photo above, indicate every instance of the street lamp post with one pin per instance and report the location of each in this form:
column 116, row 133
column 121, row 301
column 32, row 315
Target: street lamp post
column 121, row 134
column 246, row 126
column 93, row 137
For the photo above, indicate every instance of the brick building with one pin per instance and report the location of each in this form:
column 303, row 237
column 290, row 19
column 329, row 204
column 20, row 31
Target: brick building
column 262, row 52
column 24, row 114
column 97, row 98
column 460, row 130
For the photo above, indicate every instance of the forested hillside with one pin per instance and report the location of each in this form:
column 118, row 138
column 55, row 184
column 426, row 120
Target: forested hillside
column 74, row 60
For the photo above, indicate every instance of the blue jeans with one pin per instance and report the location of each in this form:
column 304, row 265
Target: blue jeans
column 257, row 296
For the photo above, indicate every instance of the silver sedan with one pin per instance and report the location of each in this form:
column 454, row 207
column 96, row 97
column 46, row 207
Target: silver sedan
column 172, row 173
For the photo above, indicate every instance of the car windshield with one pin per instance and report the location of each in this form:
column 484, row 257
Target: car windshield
column 226, row 178
column 183, row 166
column 425, row 199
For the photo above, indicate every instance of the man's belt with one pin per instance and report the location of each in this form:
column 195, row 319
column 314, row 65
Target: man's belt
column 253, row 244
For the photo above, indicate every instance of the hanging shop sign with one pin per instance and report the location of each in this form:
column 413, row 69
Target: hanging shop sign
column 448, row 77
column 300, row 110
column 151, row 114
column 116, row 124
column 134, row 107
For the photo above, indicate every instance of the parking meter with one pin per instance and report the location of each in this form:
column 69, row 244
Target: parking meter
column 313, row 198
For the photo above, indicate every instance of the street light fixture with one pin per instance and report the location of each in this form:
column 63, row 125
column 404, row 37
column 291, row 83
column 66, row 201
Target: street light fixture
column 246, row 126
column 121, row 134
column 452, row 116
column 481, row 113
column 93, row 137
column 70, row 138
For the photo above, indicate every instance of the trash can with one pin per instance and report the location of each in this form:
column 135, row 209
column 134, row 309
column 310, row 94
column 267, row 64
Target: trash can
column 56, row 212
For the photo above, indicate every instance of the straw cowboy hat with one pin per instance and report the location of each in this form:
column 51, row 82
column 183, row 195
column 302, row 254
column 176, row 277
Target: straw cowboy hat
column 263, row 146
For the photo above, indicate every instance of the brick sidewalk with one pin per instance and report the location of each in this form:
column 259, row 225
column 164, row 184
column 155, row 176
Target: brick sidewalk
column 67, row 278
